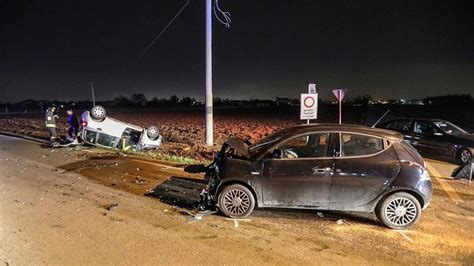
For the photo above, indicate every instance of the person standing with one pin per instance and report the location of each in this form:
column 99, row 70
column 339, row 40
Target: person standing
column 51, row 124
column 73, row 125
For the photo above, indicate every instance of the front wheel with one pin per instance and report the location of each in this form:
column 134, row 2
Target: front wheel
column 399, row 211
column 236, row 201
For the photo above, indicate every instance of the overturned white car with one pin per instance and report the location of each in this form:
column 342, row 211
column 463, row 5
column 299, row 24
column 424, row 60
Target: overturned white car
column 100, row 130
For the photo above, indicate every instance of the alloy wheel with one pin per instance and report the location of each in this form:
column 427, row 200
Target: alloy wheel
column 236, row 202
column 400, row 211
column 465, row 156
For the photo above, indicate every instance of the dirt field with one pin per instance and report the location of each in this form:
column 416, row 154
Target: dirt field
column 183, row 129
column 87, row 206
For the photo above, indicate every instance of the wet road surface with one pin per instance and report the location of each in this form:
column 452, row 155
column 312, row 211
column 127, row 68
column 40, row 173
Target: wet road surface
column 87, row 206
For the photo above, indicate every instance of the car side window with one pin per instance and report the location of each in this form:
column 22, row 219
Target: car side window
column 307, row 146
column 425, row 128
column 359, row 145
column 90, row 136
column 399, row 125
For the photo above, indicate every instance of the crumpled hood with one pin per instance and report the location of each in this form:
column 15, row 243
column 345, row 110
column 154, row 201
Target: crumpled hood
column 238, row 145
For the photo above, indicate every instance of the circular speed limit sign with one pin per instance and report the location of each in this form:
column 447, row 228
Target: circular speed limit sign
column 308, row 102
column 309, row 106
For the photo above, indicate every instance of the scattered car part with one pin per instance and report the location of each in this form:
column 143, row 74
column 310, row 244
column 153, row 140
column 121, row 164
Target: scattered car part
column 464, row 171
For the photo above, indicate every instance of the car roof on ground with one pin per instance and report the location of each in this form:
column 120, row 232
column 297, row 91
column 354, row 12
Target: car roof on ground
column 306, row 128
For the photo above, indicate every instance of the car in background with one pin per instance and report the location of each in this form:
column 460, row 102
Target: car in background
column 321, row 167
column 435, row 138
column 100, row 130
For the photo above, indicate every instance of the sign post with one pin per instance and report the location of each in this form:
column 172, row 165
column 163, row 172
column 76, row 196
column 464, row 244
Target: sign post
column 309, row 106
column 340, row 93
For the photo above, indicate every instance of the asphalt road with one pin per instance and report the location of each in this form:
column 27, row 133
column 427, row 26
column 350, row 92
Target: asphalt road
column 87, row 206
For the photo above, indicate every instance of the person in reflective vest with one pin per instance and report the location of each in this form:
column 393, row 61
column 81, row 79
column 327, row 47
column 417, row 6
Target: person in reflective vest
column 51, row 123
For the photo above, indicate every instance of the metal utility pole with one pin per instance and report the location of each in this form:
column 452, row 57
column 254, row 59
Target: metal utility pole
column 209, row 108
column 93, row 95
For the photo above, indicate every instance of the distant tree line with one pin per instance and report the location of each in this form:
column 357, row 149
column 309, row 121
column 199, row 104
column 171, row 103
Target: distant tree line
column 140, row 100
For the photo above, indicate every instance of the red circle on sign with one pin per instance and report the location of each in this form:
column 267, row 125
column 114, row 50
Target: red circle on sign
column 311, row 99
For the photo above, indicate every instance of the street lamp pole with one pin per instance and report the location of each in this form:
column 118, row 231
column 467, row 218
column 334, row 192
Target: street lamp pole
column 209, row 108
column 93, row 93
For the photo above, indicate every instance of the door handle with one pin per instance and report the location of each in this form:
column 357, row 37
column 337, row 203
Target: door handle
column 318, row 170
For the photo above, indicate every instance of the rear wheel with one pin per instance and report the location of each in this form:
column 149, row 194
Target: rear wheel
column 236, row 201
column 399, row 211
column 98, row 113
column 464, row 156
column 153, row 132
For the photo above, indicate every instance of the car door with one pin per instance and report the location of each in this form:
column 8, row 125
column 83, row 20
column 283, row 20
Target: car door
column 301, row 175
column 364, row 168
column 429, row 140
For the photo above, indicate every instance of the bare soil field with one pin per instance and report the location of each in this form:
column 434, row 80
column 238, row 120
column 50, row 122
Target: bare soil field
column 184, row 132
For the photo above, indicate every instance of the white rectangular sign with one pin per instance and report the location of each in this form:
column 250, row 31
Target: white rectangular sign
column 312, row 88
column 309, row 106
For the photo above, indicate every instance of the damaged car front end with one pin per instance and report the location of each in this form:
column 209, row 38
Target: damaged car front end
column 231, row 164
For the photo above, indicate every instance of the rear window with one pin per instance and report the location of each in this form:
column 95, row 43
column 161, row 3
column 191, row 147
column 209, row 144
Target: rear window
column 359, row 145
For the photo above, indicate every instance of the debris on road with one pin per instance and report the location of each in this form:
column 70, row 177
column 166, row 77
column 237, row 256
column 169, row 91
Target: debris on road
column 342, row 221
column 320, row 214
column 110, row 207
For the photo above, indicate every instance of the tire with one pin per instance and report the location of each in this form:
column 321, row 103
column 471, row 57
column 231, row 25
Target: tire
column 98, row 113
column 399, row 211
column 153, row 132
column 464, row 155
column 236, row 201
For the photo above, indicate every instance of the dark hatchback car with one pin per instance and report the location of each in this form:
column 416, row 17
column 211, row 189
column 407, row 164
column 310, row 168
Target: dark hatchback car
column 435, row 138
column 324, row 167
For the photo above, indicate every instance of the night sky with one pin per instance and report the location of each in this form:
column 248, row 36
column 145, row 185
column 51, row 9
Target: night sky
column 387, row 49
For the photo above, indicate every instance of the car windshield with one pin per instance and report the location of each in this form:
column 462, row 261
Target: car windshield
column 449, row 128
column 268, row 140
